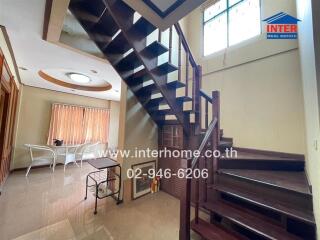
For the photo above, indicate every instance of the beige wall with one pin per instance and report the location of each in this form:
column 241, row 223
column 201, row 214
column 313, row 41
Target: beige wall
column 311, row 103
column 138, row 129
column 260, row 84
column 34, row 118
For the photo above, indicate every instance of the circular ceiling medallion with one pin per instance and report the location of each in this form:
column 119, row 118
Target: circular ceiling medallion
column 72, row 79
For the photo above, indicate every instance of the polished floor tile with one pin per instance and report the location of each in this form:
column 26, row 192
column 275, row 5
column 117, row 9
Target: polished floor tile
column 48, row 205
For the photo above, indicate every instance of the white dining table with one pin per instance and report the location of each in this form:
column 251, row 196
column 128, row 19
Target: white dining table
column 66, row 153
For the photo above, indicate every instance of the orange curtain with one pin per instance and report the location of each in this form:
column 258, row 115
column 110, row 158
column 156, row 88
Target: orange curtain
column 66, row 124
column 96, row 125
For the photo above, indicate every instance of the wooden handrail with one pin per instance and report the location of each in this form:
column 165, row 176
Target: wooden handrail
column 207, row 97
column 185, row 44
column 204, row 142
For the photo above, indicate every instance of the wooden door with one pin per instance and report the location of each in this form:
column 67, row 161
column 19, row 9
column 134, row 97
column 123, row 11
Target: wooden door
column 8, row 106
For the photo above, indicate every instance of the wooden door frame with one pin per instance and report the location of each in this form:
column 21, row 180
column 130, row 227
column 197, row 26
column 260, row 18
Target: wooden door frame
column 316, row 39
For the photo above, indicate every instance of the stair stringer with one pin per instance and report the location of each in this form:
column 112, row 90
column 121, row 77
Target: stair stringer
column 138, row 45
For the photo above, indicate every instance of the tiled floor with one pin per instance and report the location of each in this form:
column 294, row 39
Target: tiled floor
column 51, row 206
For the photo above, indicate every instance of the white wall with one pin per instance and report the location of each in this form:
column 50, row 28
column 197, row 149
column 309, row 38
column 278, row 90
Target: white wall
column 260, row 84
column 311, row 104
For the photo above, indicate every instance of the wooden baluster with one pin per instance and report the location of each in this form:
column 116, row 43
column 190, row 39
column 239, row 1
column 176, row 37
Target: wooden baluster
column 196, row 106
column 185, row 205
column 159, row 35
column 179, row 59
column 170, row 45
column 206, row 114
column 197, row 197
column 187, row 73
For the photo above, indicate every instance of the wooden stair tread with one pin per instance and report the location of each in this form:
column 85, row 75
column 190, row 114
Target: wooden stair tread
column 225, row 143
column 142, row 28
column 268, row 202
column 131, row 61
column 257, row 156
column 85, row 16
column 211, row 231
column 154, row 49
column 106, row 25
column 183, row 98
column 164, row 69
column 154, row 101
column 175, row 84
column 288, row 180
column 118, row 45
column 249, row 220
column 139, row 77
column 167, row 122
column 88, row 11
column 147, row 89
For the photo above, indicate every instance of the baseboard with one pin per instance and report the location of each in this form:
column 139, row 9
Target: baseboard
column 2, row 184
column 40, row 166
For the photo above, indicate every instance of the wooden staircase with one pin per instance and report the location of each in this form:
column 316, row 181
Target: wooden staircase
column 256, row 195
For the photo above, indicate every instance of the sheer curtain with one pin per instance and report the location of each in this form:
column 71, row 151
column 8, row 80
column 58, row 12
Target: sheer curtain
column 96, row 125
column 66, row 124
column 76, row 125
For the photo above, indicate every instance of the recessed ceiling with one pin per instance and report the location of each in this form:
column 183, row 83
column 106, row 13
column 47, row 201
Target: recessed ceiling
column 33, row 53
column 62, row 77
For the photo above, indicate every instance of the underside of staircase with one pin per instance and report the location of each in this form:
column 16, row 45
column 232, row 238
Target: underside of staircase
column 254, row 195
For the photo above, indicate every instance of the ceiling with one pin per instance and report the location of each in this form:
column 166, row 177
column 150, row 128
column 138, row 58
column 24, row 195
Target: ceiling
column 164, row 13
column 74, row 35
column 24, row 23
column 163, row 7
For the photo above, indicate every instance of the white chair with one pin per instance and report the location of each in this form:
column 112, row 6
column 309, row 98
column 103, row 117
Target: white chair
column 41, row 155
column 87, row 151
column 66, row 154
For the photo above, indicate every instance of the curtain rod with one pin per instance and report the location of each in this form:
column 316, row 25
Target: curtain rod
column 75, row 105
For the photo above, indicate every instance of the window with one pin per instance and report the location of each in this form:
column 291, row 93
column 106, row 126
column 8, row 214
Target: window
column 228, row 22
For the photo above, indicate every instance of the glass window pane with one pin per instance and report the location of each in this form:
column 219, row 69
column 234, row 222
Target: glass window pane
column 215, row 34
column 215, row 9
column 244, row 21
column 232, row 2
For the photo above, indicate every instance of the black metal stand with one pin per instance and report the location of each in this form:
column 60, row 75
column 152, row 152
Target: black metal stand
column 106, row 174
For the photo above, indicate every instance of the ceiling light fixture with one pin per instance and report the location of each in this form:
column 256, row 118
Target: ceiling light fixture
column 79, row 78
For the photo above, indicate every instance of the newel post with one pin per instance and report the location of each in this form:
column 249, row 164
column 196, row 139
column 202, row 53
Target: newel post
column 216, row 131
column 197, row 98
column 185, row 204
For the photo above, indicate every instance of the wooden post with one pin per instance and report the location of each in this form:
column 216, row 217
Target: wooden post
column 216, row 110
column 187, row 73
column 179, row 59
column 197, row 197
column 185, row 205
column 216, row 132
column 206, row 114
column 196, row 98
column 159, row 35
column 170, row 45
